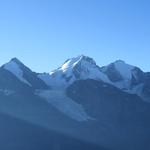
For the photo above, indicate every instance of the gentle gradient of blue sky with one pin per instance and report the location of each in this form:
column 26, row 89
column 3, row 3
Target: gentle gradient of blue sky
column 44, row 33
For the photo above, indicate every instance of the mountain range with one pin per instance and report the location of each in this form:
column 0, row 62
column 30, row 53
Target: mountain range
column 107, row 107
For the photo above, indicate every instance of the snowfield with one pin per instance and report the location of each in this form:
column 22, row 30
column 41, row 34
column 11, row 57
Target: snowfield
column 60, row 101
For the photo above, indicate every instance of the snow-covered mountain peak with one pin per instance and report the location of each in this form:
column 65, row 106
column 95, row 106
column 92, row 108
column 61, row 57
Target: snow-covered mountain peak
column 16, row 60
column 77, row 68
column 124, row 69
column 120, row 61
column 14, row 64
column 14, row 67
column 123, row 75
column 119, row 69
column 24, row 74
column 81, row 60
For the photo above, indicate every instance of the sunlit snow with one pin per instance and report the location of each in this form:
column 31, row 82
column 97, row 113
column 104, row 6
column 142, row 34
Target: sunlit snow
column 14, row 68
column 66, row 74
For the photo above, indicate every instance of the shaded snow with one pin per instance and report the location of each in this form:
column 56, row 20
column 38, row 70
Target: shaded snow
column 64, row 104
column 14, row 68
column 137, row 90
column 126, row 72
column 124, row 69
column 46, row 78
column 124, row 84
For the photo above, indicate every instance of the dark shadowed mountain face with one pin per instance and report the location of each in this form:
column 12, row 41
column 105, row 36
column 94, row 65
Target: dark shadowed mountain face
column 10, row 82
column 124, row 116
column 17, row 134
column 80, row 101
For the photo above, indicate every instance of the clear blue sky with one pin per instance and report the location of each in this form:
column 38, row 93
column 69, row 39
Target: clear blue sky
column 44, row 33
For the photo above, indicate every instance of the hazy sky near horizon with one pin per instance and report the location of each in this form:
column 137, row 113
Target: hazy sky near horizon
column 44, row 33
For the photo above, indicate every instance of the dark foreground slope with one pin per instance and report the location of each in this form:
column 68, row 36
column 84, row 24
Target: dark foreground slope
column 20, row 135
column 122, row 119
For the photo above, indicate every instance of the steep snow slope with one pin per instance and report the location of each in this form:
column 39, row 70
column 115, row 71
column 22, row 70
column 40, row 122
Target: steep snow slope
column 124, row 69
column 119, row 73
column 64, row 104
column 14, row 68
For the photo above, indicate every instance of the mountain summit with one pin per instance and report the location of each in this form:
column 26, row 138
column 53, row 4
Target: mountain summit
column 81, row 67
column 120, row 70
column 22, row 73
column 77, row 68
